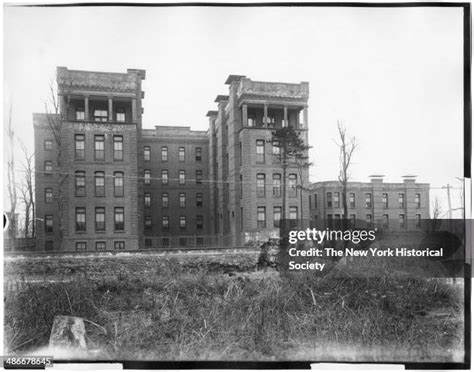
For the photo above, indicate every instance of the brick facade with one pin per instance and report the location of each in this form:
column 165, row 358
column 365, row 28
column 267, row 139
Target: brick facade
column 101, row 141
column 392, row 206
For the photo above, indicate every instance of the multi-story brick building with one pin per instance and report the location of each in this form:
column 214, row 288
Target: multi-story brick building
column 246, row 176
column 105, row 183
column 392, row 206
column 87, row 161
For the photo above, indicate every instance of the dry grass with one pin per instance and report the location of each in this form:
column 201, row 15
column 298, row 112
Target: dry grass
column 170, row 314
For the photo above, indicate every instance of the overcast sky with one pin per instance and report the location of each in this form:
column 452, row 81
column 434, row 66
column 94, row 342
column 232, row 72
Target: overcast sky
column 393, row 76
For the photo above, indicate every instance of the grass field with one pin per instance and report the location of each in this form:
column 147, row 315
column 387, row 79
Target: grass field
column 172, row 312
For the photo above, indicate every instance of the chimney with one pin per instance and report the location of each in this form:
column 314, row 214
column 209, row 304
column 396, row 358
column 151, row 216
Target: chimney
column 409, row 178
column 376, row 178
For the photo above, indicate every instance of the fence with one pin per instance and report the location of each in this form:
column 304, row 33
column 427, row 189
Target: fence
column 19, row 244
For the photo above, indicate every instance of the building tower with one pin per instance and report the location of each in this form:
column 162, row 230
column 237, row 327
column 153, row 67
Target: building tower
column 246, row 177
column 87, row 163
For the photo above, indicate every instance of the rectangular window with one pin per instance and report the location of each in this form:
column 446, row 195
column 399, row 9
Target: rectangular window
column 276, row 216
column 276, row 147
column 48, row 224
column 100, row 219
column 241, row 185
column 147, row 153
column 164, row 200
column 261, row 218
column 181, row 154
column 182, row 222
column 337, row 217
column 118, row 148
column 147, row 200
column 401, row 218
column 417, row 200
column 119, row 245
column 99, row 183
column 120, row 115
column 119, row 224
column 99, row 147
column 165, row 223
column 276, row 184
column 48, row 167
column 199, row 199
column 368, row 220
column 81, row 246
column 80, row 146
column 80, row 183
column 80, row 113
column 292, row 179
column 293, row 216
column 329, row 199
column 165, row 242
column 48, row 145
column 198, row 153
column 118, row 184
column 418, row 220
column 260, row 185
column 329, row 218
column 199, row 177
column 401, row 201
column 148, row 222
column 240, row 153
column 199, row 222
column 385, row 201
column 315, row 200
column 80, row 219
column 48, row 195
column 100, row 115
column 368, row 200
column 337, row 200
column 182, row 177
column 100, row 246
column 251, row 121
column 164, row 153
column 164, row 177
column 352, row 200
column 353, row 220
column 147, row 176
column 385, row 221
column 260, row 151
column 182, row 200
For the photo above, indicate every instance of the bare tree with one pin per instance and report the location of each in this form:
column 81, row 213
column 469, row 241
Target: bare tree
column 11, row 177
column 435, row 214
column 27, row 191
column 55, row 125
column 347, row 145
column 302, row 163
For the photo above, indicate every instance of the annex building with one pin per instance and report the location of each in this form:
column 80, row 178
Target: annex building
column 390, row 206
column 103, row 182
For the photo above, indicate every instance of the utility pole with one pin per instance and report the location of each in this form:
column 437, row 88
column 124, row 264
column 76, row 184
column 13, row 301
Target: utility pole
column 450, row 213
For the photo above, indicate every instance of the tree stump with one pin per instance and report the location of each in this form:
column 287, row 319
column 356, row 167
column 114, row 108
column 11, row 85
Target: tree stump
column 68, row 332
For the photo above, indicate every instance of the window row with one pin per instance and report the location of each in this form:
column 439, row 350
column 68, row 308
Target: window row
column 165, row 177
column 277, row 215
column 101, row 245
column 336, row 220
column 333, row 200
column 164, row 153
column 99, row 147
column 276, row 185
column 99, row 183
column 101, row 115
column 99, row 223
column 165, row 222
column 260, row 150
column 165, row 200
